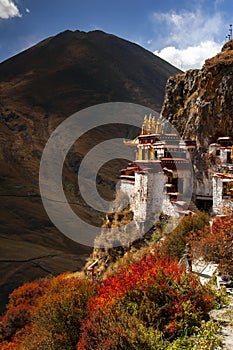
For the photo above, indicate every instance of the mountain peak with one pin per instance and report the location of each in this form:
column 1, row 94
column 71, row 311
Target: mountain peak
column 75, row 63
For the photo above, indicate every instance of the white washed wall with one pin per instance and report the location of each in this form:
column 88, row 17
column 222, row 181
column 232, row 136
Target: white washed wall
column 217, row 195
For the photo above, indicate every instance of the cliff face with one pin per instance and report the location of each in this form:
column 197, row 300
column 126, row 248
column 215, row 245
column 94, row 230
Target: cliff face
column 199, row 102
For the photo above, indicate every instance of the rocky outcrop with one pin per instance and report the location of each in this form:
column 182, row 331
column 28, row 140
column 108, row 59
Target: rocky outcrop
column 199, row 102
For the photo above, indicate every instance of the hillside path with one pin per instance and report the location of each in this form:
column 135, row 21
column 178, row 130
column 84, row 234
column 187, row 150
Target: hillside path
column 205, row 271
column 224, row 316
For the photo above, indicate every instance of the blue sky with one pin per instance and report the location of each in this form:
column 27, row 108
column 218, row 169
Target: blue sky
column 183, row 32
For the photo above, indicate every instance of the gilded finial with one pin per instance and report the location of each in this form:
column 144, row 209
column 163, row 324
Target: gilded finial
column 149, row 127
column 144, row 126
column 153, row 125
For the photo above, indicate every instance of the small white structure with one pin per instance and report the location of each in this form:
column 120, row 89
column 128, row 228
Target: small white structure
column 222, row 193
column 222, row 179
column 222, row 150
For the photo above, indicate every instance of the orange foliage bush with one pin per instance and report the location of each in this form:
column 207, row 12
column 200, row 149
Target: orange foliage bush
column 10, row 346
column 28, row 293
column 152, row 296
column 216, row 245
column 59, row 314
column 20, row 308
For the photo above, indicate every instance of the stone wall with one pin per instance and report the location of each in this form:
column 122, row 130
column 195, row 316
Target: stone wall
column 128, row 188
column 217, row 195
column 146, row 194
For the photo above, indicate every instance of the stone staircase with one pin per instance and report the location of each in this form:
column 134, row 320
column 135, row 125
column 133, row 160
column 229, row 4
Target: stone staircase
column 193, row 207
column 204, row 270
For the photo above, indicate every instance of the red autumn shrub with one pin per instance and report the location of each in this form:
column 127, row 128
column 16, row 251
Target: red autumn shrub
column 216, row 245
column 150, row 297
column 20, row 308
column 59, row 314
column 10, row 346
column 28, row 293
column 14, row 319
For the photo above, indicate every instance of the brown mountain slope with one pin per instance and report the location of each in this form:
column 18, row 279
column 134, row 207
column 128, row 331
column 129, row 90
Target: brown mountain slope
column 61, row 73
column 38, row 89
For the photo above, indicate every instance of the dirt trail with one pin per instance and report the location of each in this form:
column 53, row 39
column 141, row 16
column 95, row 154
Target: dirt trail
column 205, row 272
column 224, row 316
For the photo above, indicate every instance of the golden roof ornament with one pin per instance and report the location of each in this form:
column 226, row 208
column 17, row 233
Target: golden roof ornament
column 144, row 126
column 153, row 125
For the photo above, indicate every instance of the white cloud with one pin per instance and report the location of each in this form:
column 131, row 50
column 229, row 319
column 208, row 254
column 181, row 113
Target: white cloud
column 189, row 37
column 27, row 10
column 191, row 56
column 8, row 9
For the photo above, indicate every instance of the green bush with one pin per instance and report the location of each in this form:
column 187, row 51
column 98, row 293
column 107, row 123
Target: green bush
column 176, row 240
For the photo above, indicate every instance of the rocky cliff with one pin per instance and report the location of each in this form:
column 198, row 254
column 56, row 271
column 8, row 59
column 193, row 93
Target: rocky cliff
column 200, row 102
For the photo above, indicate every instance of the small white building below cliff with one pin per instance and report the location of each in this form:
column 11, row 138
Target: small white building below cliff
column 223, row 192
column 222, row 180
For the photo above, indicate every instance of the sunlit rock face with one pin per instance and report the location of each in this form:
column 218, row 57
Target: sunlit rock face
column 199, row 103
